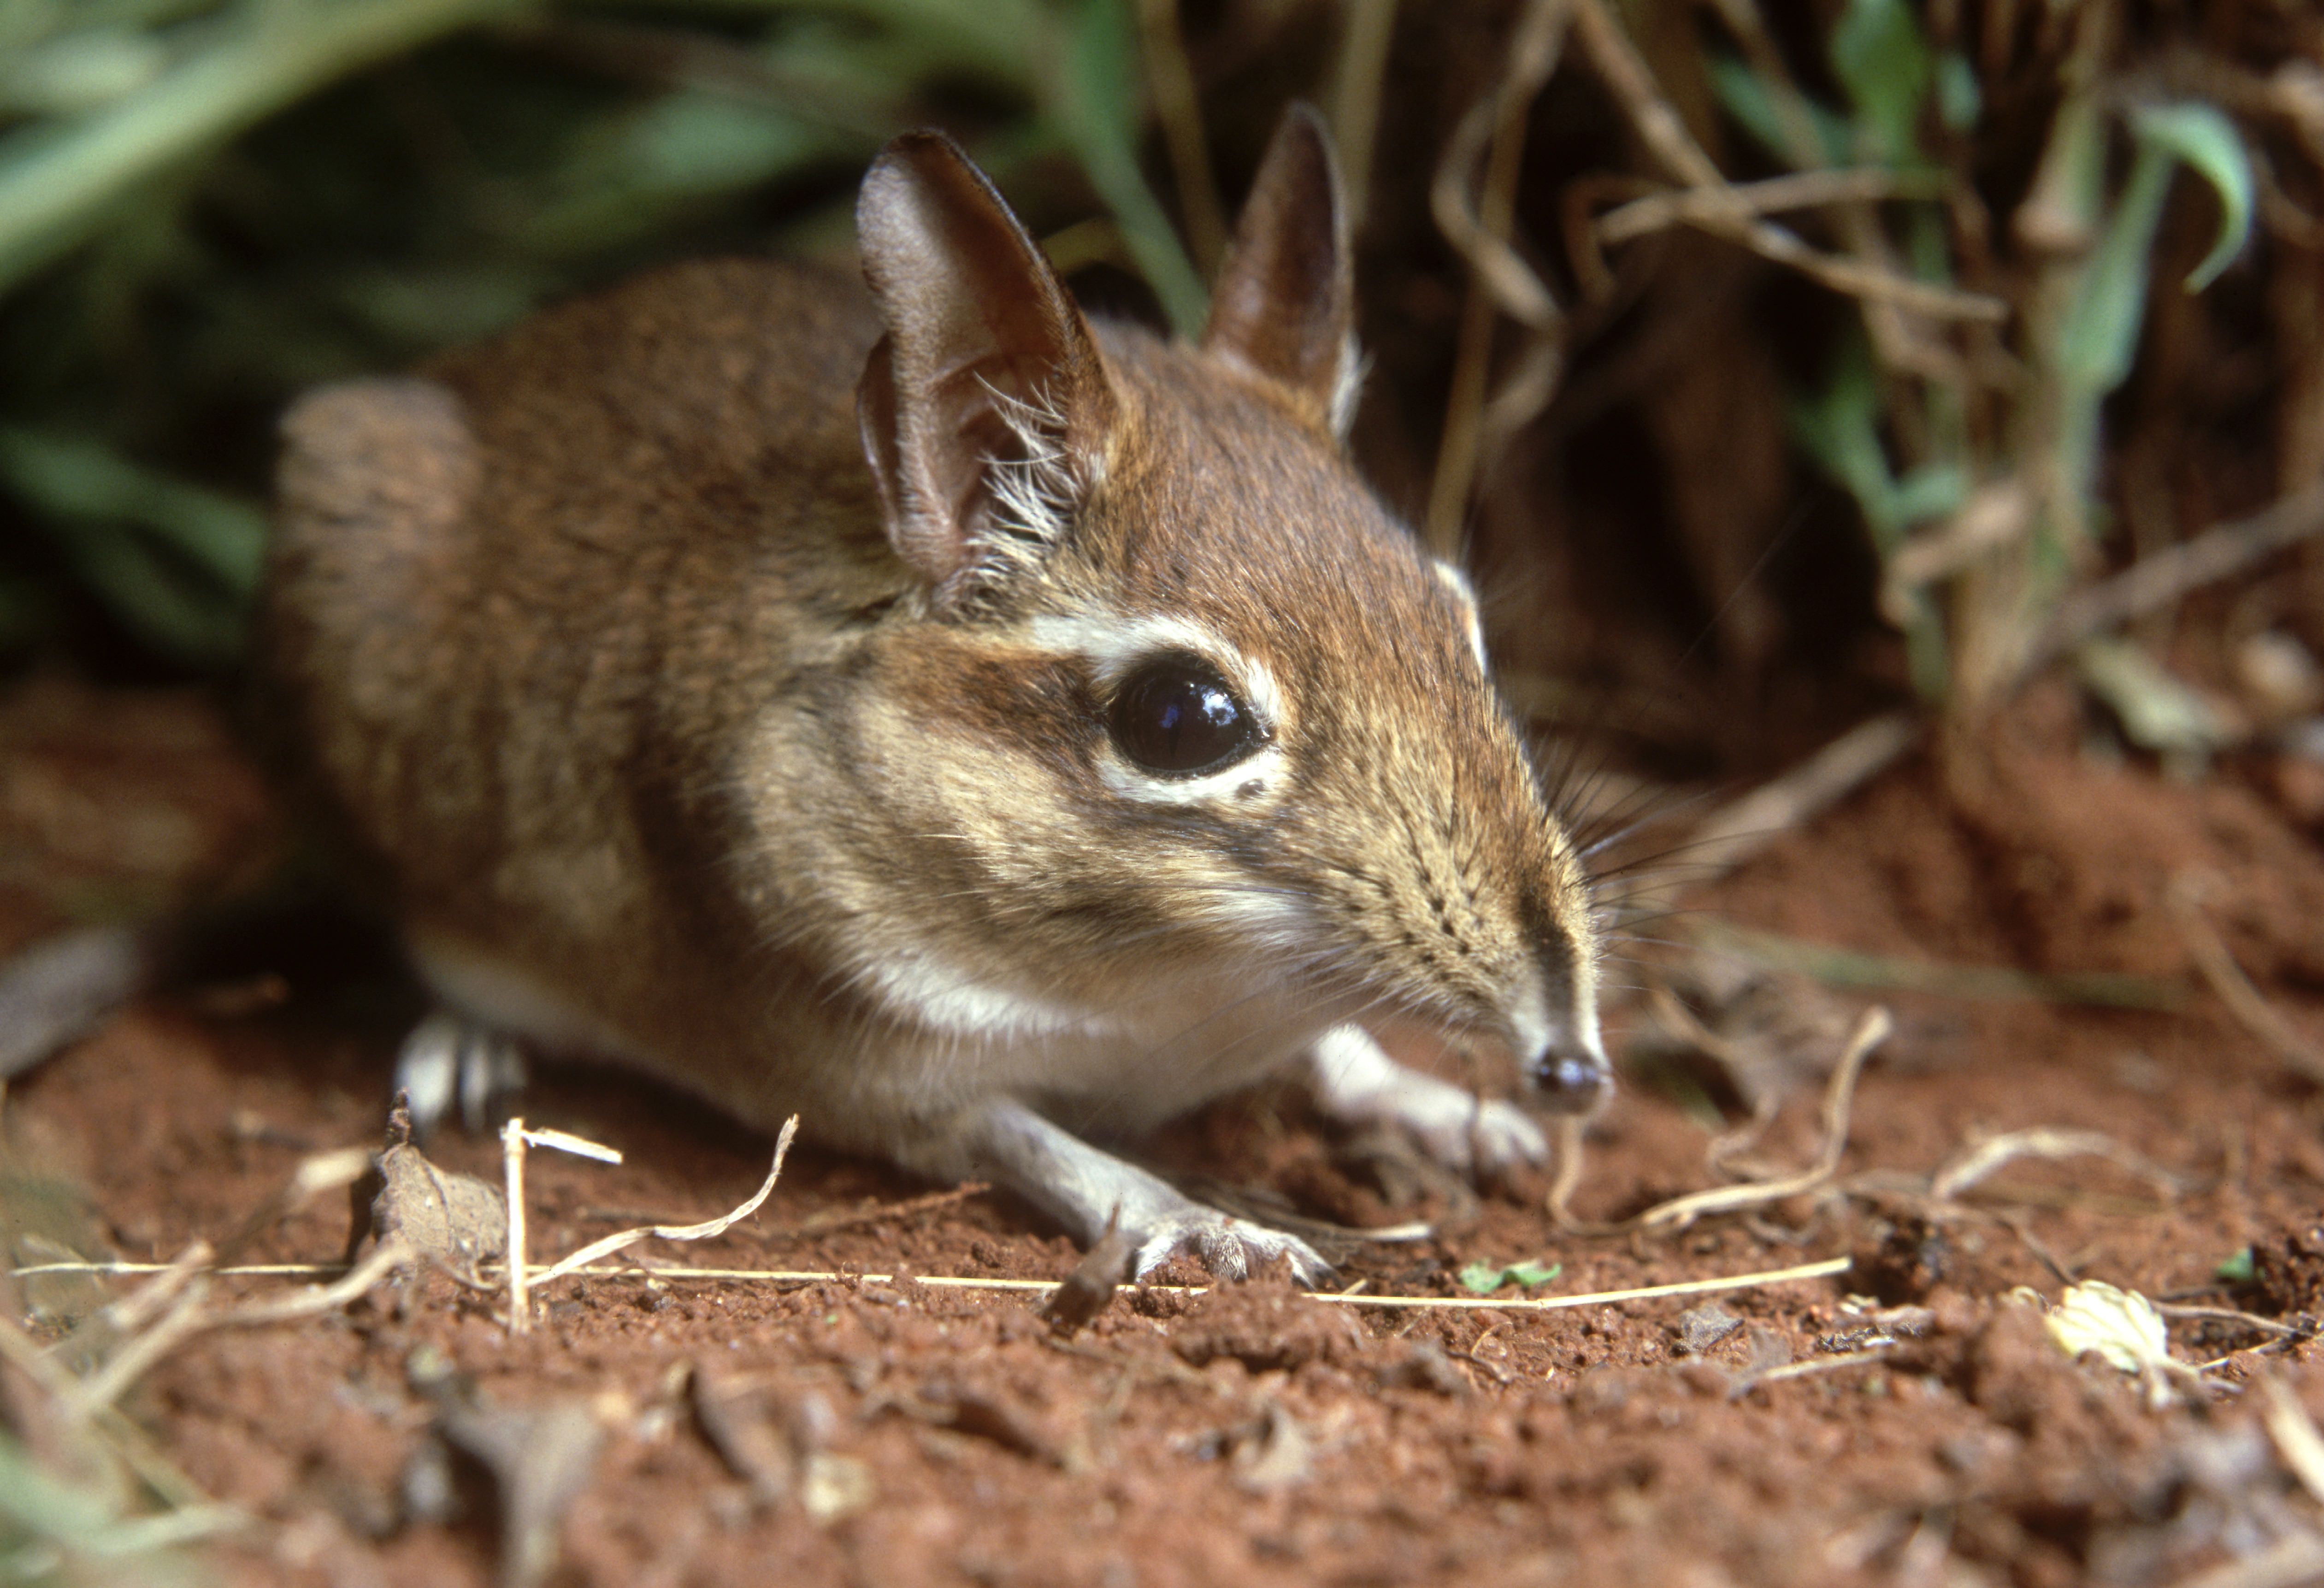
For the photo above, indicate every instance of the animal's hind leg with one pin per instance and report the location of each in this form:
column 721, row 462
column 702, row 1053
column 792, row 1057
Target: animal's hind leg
column 450, row 1060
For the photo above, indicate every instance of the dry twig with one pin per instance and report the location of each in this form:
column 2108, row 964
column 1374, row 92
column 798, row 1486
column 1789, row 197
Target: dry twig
column 2227, row 978
column 1744, row 826
column 2153, row 582
column 1680, row 1212
column 1806, row 189
column 1356, row 76
column 2045, row 1141
column 1658, row 125
column 1500, row 279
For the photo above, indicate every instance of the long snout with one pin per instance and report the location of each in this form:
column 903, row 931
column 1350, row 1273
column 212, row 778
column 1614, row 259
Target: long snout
column 1570, row 1076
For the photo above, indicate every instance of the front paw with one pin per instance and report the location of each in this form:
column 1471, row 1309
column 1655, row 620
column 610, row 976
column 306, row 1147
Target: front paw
column 1476, row 1137
column 1230, row 1248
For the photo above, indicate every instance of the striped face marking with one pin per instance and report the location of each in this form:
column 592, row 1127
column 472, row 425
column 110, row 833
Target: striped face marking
column 1190, row 719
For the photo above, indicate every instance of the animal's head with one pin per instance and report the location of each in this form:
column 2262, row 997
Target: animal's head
column 1182, row 701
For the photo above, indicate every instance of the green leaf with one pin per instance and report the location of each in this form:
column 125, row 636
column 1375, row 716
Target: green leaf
column 1482, row 1279
column 1744, row 95
column 1934, row 490
column 74, row 476
column 2157, row 711
column 1959, row 100
column 682, row 148
column 1839, row 428
column 177, row 564
column 2101, row 332
column 2209, row 146
column 1881, row 58
column 2238, row 1269
column 178, row 616
column 26, row 606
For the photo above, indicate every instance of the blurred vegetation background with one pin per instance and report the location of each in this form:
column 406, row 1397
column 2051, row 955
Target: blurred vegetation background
column 1769, row 363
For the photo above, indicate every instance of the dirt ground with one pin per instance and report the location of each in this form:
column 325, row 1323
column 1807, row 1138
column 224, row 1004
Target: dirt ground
column 1908, row 1421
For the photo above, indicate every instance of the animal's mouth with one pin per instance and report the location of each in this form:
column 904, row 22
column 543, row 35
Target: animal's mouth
column 1475, row 1057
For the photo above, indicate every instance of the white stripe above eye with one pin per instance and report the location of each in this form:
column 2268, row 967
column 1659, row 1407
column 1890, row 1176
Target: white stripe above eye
column 1113, row 646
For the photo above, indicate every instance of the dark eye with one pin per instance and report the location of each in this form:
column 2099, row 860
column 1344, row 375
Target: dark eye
column 1176, row 714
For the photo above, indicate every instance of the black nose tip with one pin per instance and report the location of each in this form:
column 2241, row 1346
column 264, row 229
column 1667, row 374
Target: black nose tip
column 1569, row 1081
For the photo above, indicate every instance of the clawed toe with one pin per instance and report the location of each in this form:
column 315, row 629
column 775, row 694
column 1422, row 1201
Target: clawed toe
column 1230, row 1248
column 449, row 1062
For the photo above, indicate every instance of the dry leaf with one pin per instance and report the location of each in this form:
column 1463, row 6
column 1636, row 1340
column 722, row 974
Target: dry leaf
column 456, row 1218
column 540, row 1459
column 1089, row 1289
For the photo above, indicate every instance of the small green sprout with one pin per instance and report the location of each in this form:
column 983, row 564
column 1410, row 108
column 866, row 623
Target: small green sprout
column 1484, row 1277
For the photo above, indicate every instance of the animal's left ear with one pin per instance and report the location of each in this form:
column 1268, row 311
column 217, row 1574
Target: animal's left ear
column 1284, row 306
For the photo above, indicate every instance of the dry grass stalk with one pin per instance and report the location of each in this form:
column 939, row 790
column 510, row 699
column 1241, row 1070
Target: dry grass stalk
column 1744, row 826
column 1680, row 1212
column 135, row 1446
column 1807, row 190
column 129, row 1315
column 184, row 1319
column 1987, row 1158
column 2155, row 582
column 2228, row 1315
column 704, row 1231
column 384, row 1259
column 1625, row 75
column 1825, row 1268
column 1356, row 76
column 2227, row 978
column 2295, row 1435
column 1839, row 1103
column 1499, row 281
column 512, row 1146
column 1178, row 107
column 1821, row 1364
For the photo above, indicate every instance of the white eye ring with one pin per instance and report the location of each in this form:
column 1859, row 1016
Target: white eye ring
column 1114, row 647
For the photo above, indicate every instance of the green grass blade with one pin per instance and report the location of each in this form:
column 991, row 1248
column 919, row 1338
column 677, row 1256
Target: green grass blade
column 1093, row 102
column 59, row 184
column 74, row 477
column 2206, row 141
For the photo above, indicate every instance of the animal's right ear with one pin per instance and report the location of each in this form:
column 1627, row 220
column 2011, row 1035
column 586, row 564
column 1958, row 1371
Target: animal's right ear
column 1285, row 307
column 985, row 411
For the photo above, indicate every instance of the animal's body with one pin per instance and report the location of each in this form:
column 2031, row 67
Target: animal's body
column 1050, row 734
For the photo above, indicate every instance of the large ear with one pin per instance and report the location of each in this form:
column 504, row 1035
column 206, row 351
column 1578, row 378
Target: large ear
column 985, row 410
column 1286, row 302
